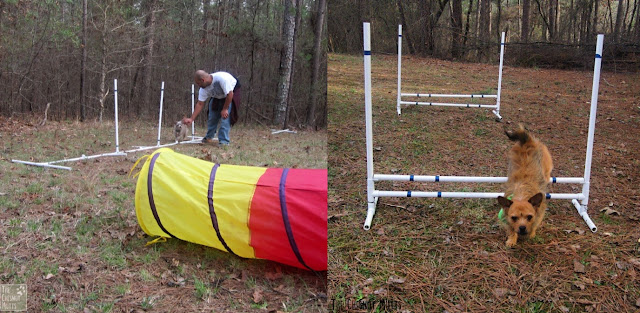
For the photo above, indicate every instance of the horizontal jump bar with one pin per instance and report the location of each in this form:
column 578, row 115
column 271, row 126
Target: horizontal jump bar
column 42, row 164
column 479, row 195
column 466, row 179
column 437, row 95
column 87, row 157
column 460, row 105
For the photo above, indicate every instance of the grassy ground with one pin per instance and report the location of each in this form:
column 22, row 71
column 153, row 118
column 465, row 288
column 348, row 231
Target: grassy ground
column 449, row 255
column 73, row 238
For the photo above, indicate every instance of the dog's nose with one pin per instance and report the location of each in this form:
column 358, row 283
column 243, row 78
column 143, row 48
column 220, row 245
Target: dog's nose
column 522, row 229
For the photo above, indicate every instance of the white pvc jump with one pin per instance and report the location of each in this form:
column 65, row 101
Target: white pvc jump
column 400, row 101
column 194, row 139
column 579, row 200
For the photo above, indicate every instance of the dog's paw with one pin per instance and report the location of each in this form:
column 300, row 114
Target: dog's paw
column 532, row 234
column 512, row 241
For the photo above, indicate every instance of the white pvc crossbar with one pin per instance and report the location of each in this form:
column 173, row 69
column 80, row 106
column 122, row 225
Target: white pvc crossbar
column 475, row 195
column 459, row 105
column 373, row 194
column 466, row 179
column 436, row 95
column 42, row 164
column 399, row 101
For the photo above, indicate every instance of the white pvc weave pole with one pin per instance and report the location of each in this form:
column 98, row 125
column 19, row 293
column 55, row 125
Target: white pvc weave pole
column 497, row 110
column 399, row 68
column 160, row 115
column 371, row 202
column 592, row 128
column 115, row 101
column 193, row 124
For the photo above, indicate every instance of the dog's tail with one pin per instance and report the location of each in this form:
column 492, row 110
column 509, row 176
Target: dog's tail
column 519, row 134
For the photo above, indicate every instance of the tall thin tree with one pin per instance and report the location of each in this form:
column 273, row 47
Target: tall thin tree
column 83, row 65
column 318, row 52
column 286, row 62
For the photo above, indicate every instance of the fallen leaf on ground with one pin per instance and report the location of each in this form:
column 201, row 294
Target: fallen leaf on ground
column 257, row 296
column 49, row 276
column 395, row 280
column 635, row 261
column 638, row 302
column 381, row 292
column 609, row 211
column 578, row 267
column 579, row 285
column 500, row 292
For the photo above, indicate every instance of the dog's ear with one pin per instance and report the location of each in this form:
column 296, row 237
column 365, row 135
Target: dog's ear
column 504, row 202
column 536, row 200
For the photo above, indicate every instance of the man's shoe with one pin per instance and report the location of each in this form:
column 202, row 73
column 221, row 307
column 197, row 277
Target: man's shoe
column 207, row 141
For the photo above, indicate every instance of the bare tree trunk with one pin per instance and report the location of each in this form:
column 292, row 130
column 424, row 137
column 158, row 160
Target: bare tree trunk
column 427, row 22
column 524, row 32
column 205, row 20
column 286, row 62
column 553, row 4
column 150, row 26
column 83, row 65
column 485, row 35
column 466, row 27
column 616, row 32
column 595, row 18
column 456, row 25
column 293, row 61
column 405, row 28
column 318, row 52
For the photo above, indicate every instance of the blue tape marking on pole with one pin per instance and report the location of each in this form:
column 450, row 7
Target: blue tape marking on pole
column 437, row 178
column 598, row 56
column 399, row 35
column 503, row 44
column 115, row 90
column 439, row 194
column 554, row 180
column 416, row 102
column 411, row 178
column 367, row 52
column 481, row 96
column 548, row 196
column 409, row 193
column 467, row 105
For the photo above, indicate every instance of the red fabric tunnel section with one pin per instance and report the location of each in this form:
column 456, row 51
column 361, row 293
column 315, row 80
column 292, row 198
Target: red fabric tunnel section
column 306, row 205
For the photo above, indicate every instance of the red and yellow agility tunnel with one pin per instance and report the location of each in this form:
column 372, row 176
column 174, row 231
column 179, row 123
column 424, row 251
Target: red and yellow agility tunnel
column 252, row 212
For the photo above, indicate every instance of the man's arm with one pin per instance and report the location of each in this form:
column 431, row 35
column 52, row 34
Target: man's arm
column 227, row 102
column 196, row 111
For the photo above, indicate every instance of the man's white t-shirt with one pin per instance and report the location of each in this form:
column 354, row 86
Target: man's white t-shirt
column 222, row 84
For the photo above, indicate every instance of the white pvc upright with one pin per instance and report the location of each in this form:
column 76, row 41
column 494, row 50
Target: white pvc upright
column 193, row 125
column 582, row 210
column 160, row 115
column 371, row 201
column 399, row 69
column 497, row 110
column 115, row 100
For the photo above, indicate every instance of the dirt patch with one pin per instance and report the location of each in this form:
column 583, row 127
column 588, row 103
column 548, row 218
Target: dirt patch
column 449, row 254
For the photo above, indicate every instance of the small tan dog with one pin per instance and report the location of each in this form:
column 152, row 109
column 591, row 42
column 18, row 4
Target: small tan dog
column 530, row 168
column 180, row 131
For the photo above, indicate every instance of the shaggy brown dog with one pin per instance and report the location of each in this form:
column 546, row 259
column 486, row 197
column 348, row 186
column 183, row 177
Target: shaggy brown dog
column 530, row 168
column 180, row 131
